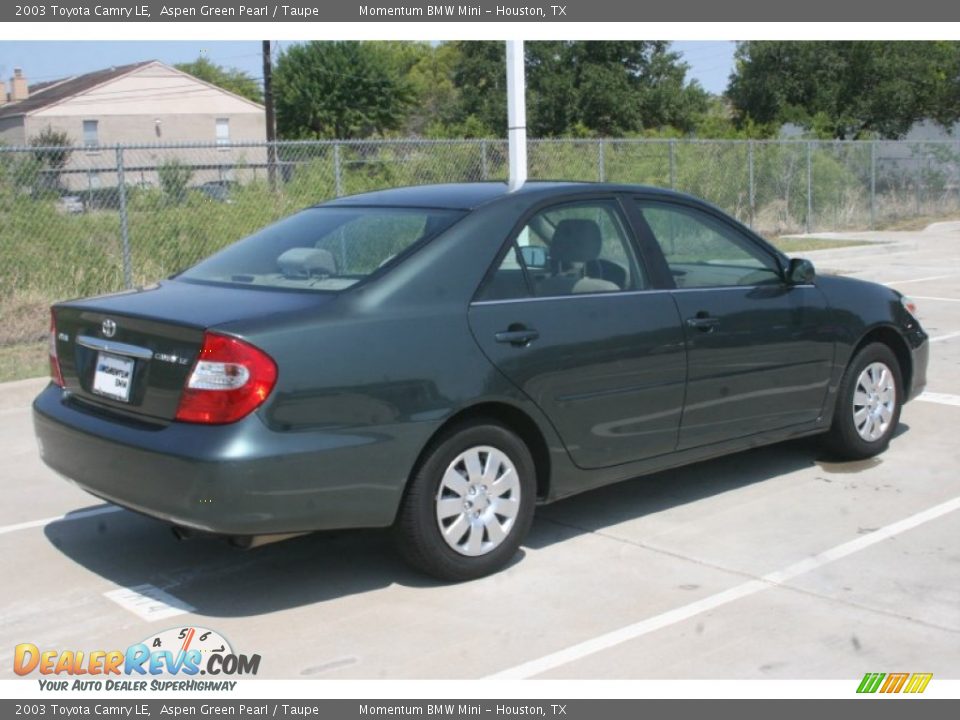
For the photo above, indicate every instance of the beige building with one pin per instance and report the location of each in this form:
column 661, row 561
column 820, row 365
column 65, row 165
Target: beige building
column 143, row 103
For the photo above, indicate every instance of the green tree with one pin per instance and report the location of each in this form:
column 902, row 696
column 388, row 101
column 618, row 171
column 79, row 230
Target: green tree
column 480, row 75
column 343, row 89
column 606, row 88
column 53, row 150
column 846, row 89
column 174, row 176
column 230, row 79
column 436, row 97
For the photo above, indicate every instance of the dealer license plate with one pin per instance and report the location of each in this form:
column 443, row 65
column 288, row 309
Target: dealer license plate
column 113, row 376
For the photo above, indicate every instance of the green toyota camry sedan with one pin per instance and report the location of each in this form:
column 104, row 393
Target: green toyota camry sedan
column 441, row 359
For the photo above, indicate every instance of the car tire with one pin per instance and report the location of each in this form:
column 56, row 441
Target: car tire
column 868, row 404
column 469, row 503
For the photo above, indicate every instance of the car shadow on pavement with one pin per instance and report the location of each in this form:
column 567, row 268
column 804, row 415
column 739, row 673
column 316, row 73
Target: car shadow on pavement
column 593, row 511
column 219, row 580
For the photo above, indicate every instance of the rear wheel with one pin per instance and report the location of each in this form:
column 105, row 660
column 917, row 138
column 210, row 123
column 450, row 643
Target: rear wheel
column 868, row 404
column 469, row 504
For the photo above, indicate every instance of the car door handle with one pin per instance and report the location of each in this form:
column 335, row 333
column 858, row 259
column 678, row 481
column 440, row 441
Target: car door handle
column 704, row 323
column 519, row 336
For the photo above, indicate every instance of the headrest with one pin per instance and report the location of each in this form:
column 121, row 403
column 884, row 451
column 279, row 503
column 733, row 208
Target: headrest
column 576, row 240
column 301, row 262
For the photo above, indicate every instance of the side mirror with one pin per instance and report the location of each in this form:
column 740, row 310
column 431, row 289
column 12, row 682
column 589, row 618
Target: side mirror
column 800, row 272
column 534, row 256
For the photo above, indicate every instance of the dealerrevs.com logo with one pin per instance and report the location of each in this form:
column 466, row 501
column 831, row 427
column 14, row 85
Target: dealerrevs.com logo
column 171, row 660
column 888, row 683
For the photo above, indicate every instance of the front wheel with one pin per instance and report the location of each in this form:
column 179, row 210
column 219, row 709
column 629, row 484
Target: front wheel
column 469, row 504
column 868, row 404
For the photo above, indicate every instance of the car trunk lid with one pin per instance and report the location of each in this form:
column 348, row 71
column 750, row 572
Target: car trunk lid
column 131, row 353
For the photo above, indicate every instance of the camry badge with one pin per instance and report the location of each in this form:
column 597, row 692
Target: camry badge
column 108, row 328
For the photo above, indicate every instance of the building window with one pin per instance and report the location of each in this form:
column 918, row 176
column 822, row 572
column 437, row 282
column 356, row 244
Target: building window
column 223, row 131
column 91, row 133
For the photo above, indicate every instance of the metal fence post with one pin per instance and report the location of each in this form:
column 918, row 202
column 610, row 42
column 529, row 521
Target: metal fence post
column 753, row 197
column 601, row 166
column 958, row 185
column 337, row 178
column 272, row 165
column 916, row 182
column 673, row 165
column 873, row 185
column 484, row 166
column 809, row 187
column 124, row 223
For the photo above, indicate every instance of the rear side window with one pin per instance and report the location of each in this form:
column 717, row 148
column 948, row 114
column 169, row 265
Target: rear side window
column 324, row 249
column 570, row 249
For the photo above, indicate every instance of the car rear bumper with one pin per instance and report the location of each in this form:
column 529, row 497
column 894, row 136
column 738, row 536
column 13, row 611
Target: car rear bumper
column 239, row 479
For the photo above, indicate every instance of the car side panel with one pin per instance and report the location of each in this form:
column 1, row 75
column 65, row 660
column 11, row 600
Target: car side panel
column 765, row 365
column 608, row 370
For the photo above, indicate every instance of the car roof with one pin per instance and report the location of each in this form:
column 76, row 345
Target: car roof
column 467, row 196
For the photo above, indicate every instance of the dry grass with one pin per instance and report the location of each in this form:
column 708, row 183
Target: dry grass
column 23, row 361
column 809, row 244
column 26, row 317
column 916, row 223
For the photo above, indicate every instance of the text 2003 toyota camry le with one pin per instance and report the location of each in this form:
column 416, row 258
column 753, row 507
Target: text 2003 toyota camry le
column 441, row 358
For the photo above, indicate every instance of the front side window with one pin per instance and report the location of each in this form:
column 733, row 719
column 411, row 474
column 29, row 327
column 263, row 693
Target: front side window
column 91, row 134
column 324, row 249
column 702, row 251
column 571, row 249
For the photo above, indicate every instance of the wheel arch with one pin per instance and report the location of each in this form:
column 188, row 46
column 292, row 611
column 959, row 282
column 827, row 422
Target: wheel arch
column 891, row 337
column 512, row 417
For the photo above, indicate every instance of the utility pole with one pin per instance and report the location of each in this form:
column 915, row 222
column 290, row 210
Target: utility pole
column 271, row 120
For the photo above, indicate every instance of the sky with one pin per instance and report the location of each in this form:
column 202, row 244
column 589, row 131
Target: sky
column 710, row 61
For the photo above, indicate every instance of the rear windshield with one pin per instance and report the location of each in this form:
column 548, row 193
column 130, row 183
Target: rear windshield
column 325, row 248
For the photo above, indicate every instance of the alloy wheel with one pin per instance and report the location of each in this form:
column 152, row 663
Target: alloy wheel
column 874, row 401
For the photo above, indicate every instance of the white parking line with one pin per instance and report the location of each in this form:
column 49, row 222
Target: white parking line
column 751, row 587
column 948, row 336
column 940, row 398
column 59, row 518
column 923, row 279
column 936, row 299
column 148, row 602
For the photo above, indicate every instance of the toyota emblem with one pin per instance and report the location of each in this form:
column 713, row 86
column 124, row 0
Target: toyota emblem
column 109, row 328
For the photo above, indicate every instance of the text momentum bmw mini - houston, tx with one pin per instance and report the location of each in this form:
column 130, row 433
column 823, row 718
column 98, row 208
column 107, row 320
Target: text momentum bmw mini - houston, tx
column 441, row 358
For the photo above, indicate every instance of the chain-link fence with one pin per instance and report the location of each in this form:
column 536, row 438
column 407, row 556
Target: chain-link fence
column 77, row 221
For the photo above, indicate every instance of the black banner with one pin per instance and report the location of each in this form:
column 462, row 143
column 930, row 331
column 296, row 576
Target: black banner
column 471, row 12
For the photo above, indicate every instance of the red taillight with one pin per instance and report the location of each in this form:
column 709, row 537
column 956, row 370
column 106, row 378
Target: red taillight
column 229, row 380
column 55, row 373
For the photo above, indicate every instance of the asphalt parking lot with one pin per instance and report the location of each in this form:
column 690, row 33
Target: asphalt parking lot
column 772, row 563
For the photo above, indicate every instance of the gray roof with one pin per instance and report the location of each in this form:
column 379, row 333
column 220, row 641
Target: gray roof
column 54, row 91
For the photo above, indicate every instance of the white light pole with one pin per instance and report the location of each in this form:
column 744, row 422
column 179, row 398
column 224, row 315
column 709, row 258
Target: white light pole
column 516, row 115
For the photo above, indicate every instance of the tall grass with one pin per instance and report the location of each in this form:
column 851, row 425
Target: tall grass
column 47, row 254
